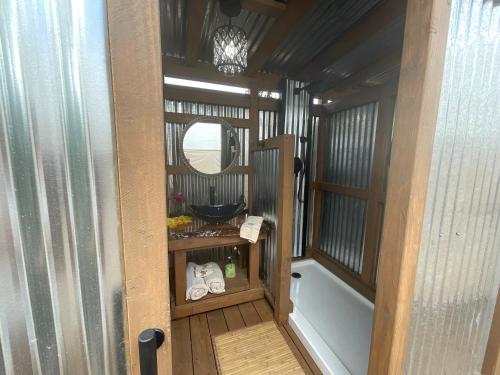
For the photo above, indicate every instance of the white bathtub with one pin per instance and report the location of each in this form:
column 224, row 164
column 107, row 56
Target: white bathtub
column 333, row 321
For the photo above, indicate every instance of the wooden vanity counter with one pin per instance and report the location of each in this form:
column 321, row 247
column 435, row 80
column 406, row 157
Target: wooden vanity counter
column 200, row 243
column 245, row 287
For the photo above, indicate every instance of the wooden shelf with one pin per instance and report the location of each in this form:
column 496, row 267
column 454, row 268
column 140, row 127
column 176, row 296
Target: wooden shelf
column 200, row 243
column 237, row 289
column 236, row 284
column 220, row 302
column 244, row 287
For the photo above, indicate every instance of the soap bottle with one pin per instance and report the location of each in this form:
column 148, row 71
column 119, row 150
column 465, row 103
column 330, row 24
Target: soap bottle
column 230, row 268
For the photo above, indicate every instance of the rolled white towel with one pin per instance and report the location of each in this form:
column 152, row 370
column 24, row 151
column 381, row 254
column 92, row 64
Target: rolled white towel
column 195, row 286
column 203, row 270
column 215, row 280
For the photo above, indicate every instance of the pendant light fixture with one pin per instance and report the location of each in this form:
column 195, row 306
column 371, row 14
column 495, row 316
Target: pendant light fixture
column 230, row 42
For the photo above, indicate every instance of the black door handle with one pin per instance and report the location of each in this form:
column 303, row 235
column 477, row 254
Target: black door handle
column 149, row 341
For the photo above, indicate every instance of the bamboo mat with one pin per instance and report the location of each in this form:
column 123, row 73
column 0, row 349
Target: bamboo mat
column 259, row 349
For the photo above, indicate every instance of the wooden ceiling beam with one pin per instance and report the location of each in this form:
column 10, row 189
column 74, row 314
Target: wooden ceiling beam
column 373, row 22
column 270, row 8
column 294, row 12
column 205, row 72
column 195, row 95
column 385, row 64
column 195, row 16
column 367, row 95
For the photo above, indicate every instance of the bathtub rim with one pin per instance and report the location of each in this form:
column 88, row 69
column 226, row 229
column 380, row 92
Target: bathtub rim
column 324, row 357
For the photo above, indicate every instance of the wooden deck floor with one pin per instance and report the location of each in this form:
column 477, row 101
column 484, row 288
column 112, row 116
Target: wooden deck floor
column 192, row 350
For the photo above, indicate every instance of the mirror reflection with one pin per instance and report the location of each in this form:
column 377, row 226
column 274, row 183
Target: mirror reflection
column 210, row 147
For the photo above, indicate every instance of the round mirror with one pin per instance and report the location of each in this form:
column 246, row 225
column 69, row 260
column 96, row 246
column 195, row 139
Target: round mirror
column 210, row 146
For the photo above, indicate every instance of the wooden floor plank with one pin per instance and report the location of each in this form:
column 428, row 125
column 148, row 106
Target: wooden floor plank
column 201, row 346
column 182, row 359
column 192, row 349
column 216, row 322
column 296, row 352
column 249, row 314
column 303, row 351
column 234, row 320
column 263, row 309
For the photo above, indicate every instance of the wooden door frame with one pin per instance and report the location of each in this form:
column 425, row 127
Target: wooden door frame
column 134, row 35
column 491, row 363
column 137, row 88
column 422, row 65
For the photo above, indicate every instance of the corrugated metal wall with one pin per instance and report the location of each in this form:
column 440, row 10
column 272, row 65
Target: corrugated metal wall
column 229, row 187
column 342, row 228
column 320, row 27
column 268, row 124
column 265, row 203
column 348, row 156
column 458, row 272
column 294, row 121
column 256, row 27
column 61, row 301
column 204, row 109
column 347, row 161
column 174, row 31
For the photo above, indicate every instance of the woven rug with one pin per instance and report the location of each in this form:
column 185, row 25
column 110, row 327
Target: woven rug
column 259, row 349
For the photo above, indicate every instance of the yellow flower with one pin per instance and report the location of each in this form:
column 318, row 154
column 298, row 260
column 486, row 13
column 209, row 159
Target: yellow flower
column 178, row 221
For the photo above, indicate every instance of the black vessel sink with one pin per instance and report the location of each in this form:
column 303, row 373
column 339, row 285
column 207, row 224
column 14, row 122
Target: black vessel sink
column 218, row 213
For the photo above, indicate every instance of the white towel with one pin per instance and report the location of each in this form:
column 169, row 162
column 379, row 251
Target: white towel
column 250, row 229
column 195, row 286
column 215, row 280
column 203, row 270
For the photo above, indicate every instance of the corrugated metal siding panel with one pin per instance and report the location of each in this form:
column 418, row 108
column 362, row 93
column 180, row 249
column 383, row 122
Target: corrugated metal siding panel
column 255, row 25
column 342, row 229
column 348, row 158
column 458, row 272
column 203, row 109
column 319, row 28
column 228, row 187
column 295, row 122
column 173, row 27
column 219, row 254
column 268, row 124
column 61, row 300
column 389, row 39
column 265, row 203
column 196, row 189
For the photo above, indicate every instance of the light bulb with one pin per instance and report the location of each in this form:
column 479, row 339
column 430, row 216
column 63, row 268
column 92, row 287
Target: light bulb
column 230, row 50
